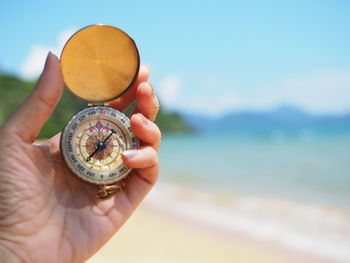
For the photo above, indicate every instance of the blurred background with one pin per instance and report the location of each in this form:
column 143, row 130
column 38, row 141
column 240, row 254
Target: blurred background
column 255, row 96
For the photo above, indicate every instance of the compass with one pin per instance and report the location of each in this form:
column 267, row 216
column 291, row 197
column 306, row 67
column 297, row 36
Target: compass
column 99, row 63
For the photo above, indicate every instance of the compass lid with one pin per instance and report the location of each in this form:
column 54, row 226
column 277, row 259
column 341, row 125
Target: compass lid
column 99, row 63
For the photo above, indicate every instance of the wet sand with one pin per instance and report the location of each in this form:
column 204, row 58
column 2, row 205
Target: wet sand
column 151, row 236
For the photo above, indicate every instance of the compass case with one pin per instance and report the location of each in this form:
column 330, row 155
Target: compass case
column 99, row 63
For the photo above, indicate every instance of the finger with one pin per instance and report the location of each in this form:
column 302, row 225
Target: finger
column 144, row 161
column 147, row 102
column 147, row 131
column 136, row 188
column 144, row 176
column 54, row 142
column 29, row 118
column 140, row 158
column 124, row 101
column 140, row 183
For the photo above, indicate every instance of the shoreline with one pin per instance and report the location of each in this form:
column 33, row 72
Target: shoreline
column 160, row 234
column 240, row 240
column 244, row 242
column 321, row 231
column 151, row 236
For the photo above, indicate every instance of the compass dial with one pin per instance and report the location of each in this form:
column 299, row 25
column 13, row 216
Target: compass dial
column 92, row 143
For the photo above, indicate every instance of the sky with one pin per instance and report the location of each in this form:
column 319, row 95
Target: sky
column 207, row 57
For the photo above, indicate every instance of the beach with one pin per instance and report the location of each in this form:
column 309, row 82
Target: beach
column 153, row 235
column 243, row 198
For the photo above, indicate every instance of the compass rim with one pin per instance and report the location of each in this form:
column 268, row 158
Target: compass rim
column 68, row 162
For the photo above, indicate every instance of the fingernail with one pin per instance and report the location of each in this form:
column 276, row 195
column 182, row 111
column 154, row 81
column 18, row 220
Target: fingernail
column 153, row 91
column 148, row 86
column 145, row 121
column 130, row 154
column 47, row 59
column 148, row 68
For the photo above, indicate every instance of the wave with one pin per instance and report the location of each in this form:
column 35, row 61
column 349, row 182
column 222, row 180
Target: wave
column 319, row 230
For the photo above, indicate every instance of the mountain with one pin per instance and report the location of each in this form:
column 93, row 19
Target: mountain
column 281, row 118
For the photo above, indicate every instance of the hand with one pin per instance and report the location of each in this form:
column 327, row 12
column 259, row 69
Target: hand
column 47, row 214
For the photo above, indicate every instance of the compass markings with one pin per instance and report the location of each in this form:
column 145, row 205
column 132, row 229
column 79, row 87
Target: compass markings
column 96, row 129
column 99, row 125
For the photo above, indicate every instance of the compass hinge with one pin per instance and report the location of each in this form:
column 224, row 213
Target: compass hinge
column 93, row 104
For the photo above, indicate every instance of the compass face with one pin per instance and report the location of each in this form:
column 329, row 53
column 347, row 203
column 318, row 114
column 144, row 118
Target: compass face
column 92, row 143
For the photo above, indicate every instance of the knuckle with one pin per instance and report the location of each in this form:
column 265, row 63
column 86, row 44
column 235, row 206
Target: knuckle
column 155, row 132
column 153, row 156
column 154, row 110
column 8, row 134
column 158, row 134
column 46, row 100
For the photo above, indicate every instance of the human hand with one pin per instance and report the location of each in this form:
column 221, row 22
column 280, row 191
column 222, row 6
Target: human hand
column 47, row 214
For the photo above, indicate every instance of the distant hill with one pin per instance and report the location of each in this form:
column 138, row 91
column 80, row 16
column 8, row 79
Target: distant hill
column 282, row 118
column 14, row 91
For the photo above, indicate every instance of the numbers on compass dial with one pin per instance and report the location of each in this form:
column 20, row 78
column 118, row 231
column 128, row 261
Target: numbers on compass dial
column 92, row 143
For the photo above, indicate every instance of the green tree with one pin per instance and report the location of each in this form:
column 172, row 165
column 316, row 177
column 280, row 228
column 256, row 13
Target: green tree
column 14, row 91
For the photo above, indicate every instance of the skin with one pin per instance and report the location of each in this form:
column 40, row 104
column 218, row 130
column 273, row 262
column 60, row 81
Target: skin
column 46, row 213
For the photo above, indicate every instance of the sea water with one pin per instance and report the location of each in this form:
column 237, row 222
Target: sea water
column 289, row 187
column 304, row 166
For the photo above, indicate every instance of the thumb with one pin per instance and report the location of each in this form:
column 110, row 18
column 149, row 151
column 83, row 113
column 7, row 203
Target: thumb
column 29, row 118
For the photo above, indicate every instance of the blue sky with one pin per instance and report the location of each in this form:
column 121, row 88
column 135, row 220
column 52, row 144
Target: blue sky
column 207, row 57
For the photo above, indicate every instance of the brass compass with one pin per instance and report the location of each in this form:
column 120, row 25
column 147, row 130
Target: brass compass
column 99, row 63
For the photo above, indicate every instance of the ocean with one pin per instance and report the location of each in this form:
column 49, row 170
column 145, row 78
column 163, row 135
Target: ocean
column 288, row 187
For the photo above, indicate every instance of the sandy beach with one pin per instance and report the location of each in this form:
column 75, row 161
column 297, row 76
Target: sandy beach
column 151, row 236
